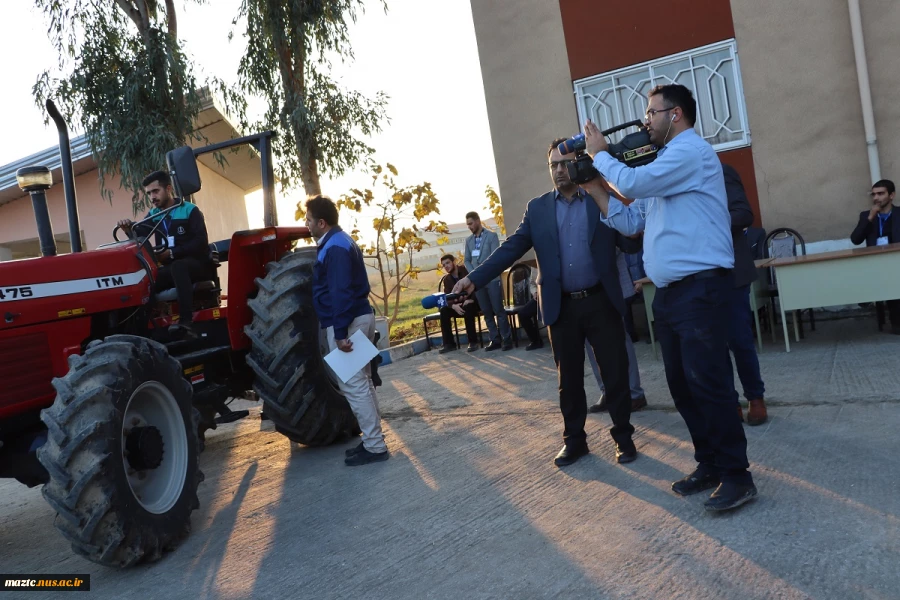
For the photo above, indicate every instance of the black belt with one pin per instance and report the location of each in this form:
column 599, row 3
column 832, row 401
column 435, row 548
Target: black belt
column 584, row 293
column 707, row 274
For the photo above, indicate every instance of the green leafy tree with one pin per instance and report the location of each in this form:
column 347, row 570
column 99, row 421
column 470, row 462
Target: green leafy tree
column 399, row 214
column 496, row 207
column 125, row 80
column 290, row 45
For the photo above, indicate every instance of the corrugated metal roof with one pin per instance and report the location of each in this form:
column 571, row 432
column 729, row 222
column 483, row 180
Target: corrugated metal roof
column 45, row 158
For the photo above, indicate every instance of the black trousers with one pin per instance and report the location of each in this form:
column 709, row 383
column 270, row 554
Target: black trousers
column 181, row 274
column 596, row 320
column 528, row 321
column 692, row 330
column 447, row 314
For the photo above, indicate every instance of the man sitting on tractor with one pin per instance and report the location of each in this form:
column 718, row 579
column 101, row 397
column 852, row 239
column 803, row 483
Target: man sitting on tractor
column 185, row 257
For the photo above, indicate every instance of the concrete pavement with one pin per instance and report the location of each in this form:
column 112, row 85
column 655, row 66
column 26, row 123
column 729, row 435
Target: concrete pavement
column 471, row 506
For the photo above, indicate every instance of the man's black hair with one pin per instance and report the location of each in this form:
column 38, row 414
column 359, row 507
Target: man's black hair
column 446, row 256
column 886, row 184
column 554, row 144
column 472, row 215
column 161, row 176
column 322, row 207
column 675, row 94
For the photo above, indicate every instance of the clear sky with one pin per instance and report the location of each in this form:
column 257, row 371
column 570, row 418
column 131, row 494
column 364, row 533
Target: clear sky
column 422, row 54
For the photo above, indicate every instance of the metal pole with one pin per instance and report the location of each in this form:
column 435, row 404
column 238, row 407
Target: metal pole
column 270, row 211
column 865, row 93
column 42, row 219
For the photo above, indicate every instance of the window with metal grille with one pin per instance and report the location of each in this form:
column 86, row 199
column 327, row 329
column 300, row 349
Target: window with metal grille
column 712, row 73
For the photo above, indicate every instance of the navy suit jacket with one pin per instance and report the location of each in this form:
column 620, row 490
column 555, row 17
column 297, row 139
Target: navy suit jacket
column 538, row 230
column 867, row 231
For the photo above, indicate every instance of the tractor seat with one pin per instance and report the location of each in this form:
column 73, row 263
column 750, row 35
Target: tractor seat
column 171, row 294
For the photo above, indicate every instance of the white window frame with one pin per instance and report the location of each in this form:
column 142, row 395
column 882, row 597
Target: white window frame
column 623, row 114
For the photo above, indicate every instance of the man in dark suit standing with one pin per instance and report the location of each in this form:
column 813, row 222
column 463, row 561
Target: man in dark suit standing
column 740, row 322
column 878, row 227
column 579, row 297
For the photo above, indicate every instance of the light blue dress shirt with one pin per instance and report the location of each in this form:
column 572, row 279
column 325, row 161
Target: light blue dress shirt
column 680, row 206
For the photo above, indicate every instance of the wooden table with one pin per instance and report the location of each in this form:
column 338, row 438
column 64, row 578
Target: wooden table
column 850, row 276
column 758, row 298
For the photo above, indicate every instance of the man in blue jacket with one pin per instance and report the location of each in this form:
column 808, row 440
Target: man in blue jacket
column 579, row 298
column 341, row 300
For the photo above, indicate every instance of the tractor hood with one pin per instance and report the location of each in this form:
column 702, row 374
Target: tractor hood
column 37, row 290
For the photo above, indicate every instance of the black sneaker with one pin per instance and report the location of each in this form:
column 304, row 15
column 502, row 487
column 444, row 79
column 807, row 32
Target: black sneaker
column 507, row 345
column 364, row 457
column 353, row 450
column 183, row 331
column 495, row 345
column 730, row 495
column 534, row 346
column 447, row 349
column 698, row 481
column 472, row 347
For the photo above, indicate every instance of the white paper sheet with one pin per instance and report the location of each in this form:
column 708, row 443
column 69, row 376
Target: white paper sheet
column 347, row 364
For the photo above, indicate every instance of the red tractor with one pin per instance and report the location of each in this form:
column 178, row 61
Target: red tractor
column 100, row 406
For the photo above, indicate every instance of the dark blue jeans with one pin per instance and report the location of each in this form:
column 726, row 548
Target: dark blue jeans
column 692, row 329
column 741, row 344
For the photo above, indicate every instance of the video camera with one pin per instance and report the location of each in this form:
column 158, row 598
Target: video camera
column 634, row 150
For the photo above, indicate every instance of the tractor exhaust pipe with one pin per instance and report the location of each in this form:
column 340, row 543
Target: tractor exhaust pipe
column 36, row 181
column 68, row 177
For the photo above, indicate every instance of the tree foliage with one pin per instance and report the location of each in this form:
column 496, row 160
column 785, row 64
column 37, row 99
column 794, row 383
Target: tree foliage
column 290, row 44
column 399, row 214
column 496, row 207
column 125, row 80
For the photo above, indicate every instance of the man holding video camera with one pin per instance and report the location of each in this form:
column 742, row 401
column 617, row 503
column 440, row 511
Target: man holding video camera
column 579, row 298
column 681, row 206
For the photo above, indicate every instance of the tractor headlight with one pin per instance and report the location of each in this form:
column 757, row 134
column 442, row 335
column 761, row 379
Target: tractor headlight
column 31, row 179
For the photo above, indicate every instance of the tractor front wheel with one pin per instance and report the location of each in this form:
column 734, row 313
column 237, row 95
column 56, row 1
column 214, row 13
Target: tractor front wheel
column 121, row 452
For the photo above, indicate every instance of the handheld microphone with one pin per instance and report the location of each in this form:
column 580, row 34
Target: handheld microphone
column 441, row 300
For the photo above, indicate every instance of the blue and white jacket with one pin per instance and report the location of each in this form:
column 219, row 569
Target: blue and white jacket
column 340, row 283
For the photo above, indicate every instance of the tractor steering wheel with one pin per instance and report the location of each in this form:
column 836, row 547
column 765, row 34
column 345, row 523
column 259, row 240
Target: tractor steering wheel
column 158, row 249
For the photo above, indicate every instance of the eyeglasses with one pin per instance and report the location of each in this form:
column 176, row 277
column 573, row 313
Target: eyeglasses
column 554, row 164
column 652, row 112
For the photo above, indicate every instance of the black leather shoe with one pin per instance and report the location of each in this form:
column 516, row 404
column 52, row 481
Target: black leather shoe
column 695, row 483
column 638, row 403
column 507, row 345
column 472, row 347
column 730, row 495
column 534, row 346
column 600, row 406
column 183, row 331
column 495, row 345
column 568, row 456
column 446, row 349
column 353, row 450
column 364, row 457
column 625, row 453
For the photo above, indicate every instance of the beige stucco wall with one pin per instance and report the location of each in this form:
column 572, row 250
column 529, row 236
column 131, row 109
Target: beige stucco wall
column 528, row 91
column 805, row 115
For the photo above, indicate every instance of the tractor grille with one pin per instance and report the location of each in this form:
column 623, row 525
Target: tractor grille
column 25, row 368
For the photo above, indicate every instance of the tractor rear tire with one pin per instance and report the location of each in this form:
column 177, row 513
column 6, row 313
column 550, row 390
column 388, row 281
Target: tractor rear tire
column 291, row 376
column 121, row 452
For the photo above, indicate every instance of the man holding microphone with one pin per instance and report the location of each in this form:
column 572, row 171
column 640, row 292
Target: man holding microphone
column 681, row 207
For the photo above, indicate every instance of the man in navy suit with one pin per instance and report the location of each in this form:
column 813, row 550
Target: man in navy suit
column 878, row 227
column 579, row 298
